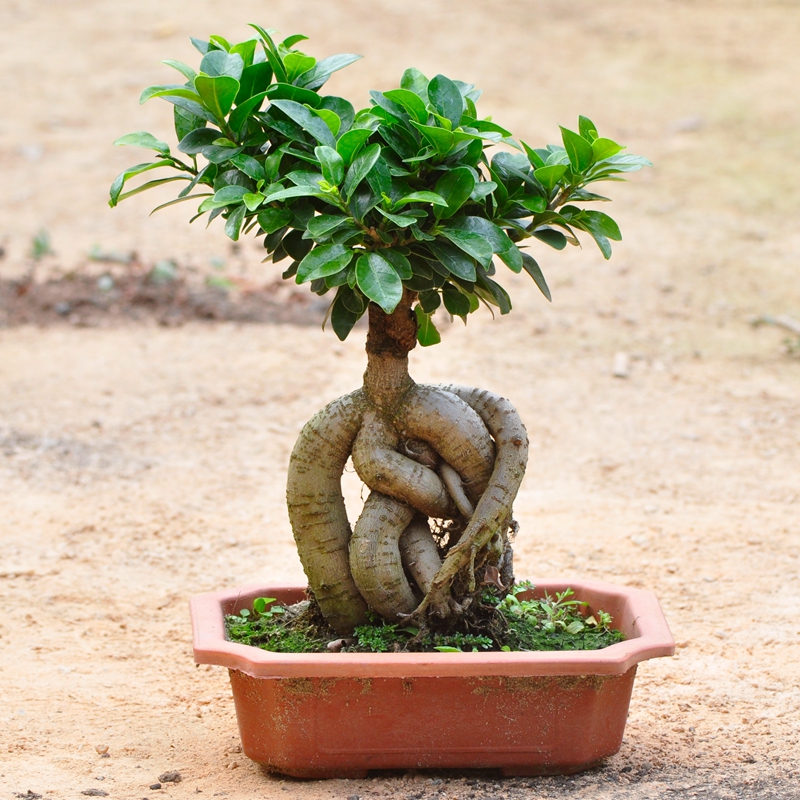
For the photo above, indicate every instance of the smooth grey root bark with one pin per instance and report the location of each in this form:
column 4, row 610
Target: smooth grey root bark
column 454, row 455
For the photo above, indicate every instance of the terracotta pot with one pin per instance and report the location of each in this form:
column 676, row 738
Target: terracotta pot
column 341, row 714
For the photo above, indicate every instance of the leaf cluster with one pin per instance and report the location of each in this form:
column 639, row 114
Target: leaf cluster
column 554, row 623
column 399, row 196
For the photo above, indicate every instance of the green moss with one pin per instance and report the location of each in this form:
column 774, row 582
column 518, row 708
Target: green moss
column 509, row 623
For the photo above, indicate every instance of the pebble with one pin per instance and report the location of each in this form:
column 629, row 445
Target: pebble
column 101, row 748
column 172, row 776
column 622, row 366
column 155, row 785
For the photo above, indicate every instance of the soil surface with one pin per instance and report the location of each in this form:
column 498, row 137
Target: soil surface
column 145, row 427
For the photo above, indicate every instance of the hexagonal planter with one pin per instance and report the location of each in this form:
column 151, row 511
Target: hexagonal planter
column 342, row 714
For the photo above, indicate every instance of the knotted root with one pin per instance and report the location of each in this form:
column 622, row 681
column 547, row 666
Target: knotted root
column 492, row 516
column 463, row 458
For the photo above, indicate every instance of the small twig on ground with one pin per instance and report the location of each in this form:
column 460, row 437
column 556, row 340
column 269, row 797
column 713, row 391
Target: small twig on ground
column 781, row 321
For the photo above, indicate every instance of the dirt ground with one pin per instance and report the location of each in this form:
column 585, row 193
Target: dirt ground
column 143, row 455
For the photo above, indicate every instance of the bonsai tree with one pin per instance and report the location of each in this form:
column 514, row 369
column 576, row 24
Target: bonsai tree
column 392, row 211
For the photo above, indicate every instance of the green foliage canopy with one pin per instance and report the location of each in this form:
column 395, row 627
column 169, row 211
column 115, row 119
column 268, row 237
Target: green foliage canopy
column 364, row 203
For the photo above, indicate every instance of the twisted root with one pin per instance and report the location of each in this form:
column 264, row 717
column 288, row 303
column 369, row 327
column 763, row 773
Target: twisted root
column 449, row 453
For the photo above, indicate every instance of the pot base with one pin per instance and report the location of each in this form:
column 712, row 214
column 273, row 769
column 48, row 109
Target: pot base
column 342, row 727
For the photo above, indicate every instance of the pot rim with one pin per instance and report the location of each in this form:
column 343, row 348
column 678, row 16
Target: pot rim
column 644, row 625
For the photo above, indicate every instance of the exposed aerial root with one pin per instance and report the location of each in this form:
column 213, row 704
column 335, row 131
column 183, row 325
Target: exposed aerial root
column 492, row 517
column 317, row 513
column 449, row 453
column 385, row 470
column 375, row 556
column 457, row 433
column 419, row 553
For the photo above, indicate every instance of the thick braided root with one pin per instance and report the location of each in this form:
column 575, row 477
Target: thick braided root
column 447, row 453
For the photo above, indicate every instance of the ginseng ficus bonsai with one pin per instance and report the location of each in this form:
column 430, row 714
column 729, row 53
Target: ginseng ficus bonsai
column 391, row 211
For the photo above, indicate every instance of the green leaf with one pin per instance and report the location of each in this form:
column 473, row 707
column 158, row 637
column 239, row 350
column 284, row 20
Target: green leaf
column 233, row 224
column 168, row 91
column 323, row 260
column 473, row 244
column 324, row 224
column 550, row 176
column 254, row 81
column 279, row 193
column 379, row 179
column 412, row 103
column 493, row 293
column 512, row 258
column 455, row 301
column 453, row 260
column 330, row 118
column 285, row 91
column 626, row 162
column 144, row 139
column 427, row 334
column 534, row 270
column 307, row 120
column 184, row 69
column 494, row 235
column 605, row 148
column 149, row 185
column 343, row 318
column 218, row 63
column 120, row 180
column 455, row 187
column 360, row 168
column 196, row 141
column 441, row 139
column 252, row 200
column 430, row 300
column 332, row 164
column 185, row 122
column 446, row 98
column 597, row 220
column 580, row 151
column 350, row 143
column 296, row 64
column 217, row 154
column 446, row 648
column 291, row 41
column 320, row 73
column 416, row 82
column 273, row 219
column 587, row 128
column 226, row 196
column 534, row 157
column 218, row 93
column 241, row 112
column 535, row 203
column 401, row 220
column 249, row 166
column 401, row 264
column 220, row 43
column 555, row 239
column 247, row 50
column 421, row 197
column 379, row 281
column 342, row 108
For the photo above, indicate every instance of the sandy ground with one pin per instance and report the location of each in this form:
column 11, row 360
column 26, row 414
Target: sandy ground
column 141, row 464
